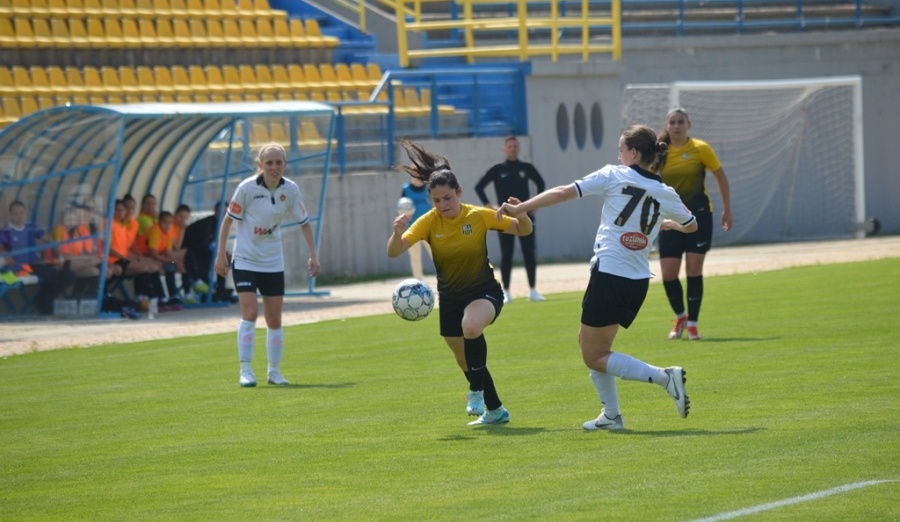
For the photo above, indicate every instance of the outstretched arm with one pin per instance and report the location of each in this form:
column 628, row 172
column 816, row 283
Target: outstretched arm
column 396, row 245
column 521, row 223
column 547, row 198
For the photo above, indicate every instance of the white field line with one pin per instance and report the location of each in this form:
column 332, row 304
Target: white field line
column 793, row 500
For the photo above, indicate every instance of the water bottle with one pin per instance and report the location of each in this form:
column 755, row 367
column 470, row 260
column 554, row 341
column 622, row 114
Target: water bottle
column 154, row 308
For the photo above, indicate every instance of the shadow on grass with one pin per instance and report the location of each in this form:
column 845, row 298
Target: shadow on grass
column 736, row 339
column 688, row 433
column 502, row 430
column 308, row 386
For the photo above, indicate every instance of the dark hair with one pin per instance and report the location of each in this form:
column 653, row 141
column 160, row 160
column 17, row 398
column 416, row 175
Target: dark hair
column 432, row 169
column 182, row 208
column 642, row 139
column 165, row 214
column 146, row 197
column 511, row 138
column 128, row 197
column 664, row 135
column 17, row 203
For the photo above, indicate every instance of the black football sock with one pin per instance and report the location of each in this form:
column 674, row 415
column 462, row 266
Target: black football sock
column 476, row 360
column 675, row 295
column 694, row 297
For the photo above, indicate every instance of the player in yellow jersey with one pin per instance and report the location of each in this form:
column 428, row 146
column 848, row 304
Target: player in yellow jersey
column 470, row 296
column 684, row 169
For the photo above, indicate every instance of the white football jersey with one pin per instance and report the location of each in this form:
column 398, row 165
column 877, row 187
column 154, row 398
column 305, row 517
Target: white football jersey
column 635, row 202
column 259, row 213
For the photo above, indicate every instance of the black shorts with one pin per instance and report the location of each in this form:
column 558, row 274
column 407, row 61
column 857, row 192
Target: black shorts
column 451, row 312
column 268, row 283
column 674, row 244
column 611, row 299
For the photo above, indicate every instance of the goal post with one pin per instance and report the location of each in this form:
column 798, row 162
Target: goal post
column 792, row 151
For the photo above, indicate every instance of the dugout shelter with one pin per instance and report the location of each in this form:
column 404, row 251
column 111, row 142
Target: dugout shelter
column 85, row 157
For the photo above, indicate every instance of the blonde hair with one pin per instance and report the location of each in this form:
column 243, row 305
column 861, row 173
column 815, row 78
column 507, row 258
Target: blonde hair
column 265, row 147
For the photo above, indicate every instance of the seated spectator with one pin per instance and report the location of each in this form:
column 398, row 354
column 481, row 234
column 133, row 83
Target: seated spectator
column 199, row 241
column 19, row 242
column 123, row 233
column 182, row 219
column 157, row 243
column 149, row 213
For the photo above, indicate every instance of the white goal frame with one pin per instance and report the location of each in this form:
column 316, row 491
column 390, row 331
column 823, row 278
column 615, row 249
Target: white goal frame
column 854, row 82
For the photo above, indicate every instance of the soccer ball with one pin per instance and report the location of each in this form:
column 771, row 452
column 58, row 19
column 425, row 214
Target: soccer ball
column 413, row 300
column 406, row 206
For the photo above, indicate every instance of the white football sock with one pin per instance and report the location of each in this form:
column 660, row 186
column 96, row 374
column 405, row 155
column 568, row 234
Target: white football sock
column 246, row 338
column 606, row 389
column 274, row 347
column 629, row 368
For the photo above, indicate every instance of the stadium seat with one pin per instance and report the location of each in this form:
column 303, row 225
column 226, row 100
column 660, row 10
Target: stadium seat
column 125, row 8
column 78, row 35
column 22, row 80
column 129, row 83
column 248, row 80
column 165, row 35
column 163, row 9
column 214, row 79
column 309, row 135
column 181, row 82
column 57, row 78
column 164, row 83
column 40, row 82
column 280, row 78
column 6, row 9
column 24, row 33
column 229, row 10
column 257, row 9
column 313, row 78
column 146, row 82
column 298, row 33
column 12, row 111
column 442, row 108
column 7, row 86
column 96, row 33
column 281, row 33
column 231, row 34
column 93, row 82
column 315, row 32
column 196, row 10
column 198, row 33
column 345, row 77
column 199, row 83
column 29, row 105
column 264, row 78
column 178, row 8
column 212, row 9
column 33, row 9
column 147, row 34
column 247, row 32
column 297, row 78
column 112, row 29
column 374, row 72
column 43, row 37
column 130, row 33
column 182, row 33
column 45, row 102
column 111, row 84
column 8, row 38
column 145, row 9
column 329, row 77
column 232, row 79
column 63, row 9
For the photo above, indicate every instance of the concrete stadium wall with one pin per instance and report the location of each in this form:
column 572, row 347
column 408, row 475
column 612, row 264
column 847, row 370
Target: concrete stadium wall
column 361, row 206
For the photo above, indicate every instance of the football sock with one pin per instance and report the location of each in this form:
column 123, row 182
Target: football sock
column 491, row 399
column 675, row 295
column 274, row 347
column 694, row 297
column 246, row 339
column 606, row 390
column 476, row 360
column 629, row 368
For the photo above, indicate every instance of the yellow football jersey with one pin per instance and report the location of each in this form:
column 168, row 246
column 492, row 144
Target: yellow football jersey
column 459, row 248
column 685, row 171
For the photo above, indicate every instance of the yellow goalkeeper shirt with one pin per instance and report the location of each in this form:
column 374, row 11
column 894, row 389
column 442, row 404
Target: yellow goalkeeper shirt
column 685, row 171
column 459, row 248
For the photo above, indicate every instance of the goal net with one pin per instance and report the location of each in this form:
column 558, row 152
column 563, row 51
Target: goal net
column 791, row 149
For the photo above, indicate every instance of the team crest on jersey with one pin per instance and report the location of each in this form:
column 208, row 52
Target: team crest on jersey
column 467, row 230
column 634, row 240
column 282, row 198
column 522, row 174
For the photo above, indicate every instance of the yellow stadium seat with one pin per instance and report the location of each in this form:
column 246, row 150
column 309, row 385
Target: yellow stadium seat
column 6, row 9
column 247, row 31
column 130, row 33
column 75, row 81
column 114, row 99
column 22, row 80
column 145, row 9
column 45, row 102
column 315, row 32
column 313, row 78
column 232, row 79
column 59, row 30
column 298, row 34
column 182, row 82
column 329, row 77
column 164, row 83
column 96, row 33
column 229, row 10
column 110, row 78
column 129, row 82
column 345, row 77
column 162, row 9
column 94, row 9
column 297, row 78
column 199, row 83
column 442, row 108
column 126, row 8
column 179, row 8
column 78, row 35
column 7, row 85
column 182, row 32
column 29, row 105
column 249, row 81
column 165, row 34
column 43, row 37
column 309, row 134
column 250, row 10
column 213, row 8
column 112, row 29
column 40, row 82
column 195, row 9
column 57, row 78
column 265, row 79
column 280, row 78
column 24, row 32
column 147, row 34
column 8, row 38
column 92, row 81
column 198, row 33
column 231, row 33
column 214, row 80
column 374, row 72
column 63, row 9
column 280, row 33
column 12, row 111
column 146, row 82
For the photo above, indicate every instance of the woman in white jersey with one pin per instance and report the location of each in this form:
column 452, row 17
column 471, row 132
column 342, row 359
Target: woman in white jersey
column 259, row 205
column 635, row 206
column 684, row 169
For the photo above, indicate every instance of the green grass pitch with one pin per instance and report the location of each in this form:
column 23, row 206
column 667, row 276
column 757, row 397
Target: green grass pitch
column 794, row 390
